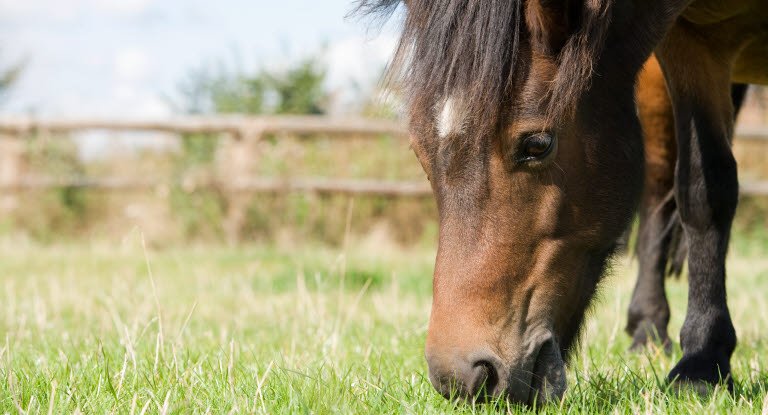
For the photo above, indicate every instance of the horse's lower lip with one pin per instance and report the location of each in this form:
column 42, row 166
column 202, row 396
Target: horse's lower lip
column 547, row 380
column 523, row 377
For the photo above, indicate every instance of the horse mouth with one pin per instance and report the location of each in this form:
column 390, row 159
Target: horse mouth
column 548, row 381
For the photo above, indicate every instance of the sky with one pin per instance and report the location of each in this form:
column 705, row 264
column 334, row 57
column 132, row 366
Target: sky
column 126, row 58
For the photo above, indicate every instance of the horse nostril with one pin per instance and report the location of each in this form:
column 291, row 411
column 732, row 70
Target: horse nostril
column 485, row 379
column 476, row 378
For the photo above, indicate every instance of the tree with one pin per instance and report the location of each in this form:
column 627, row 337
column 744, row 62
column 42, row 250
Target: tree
column 296, row 90
column 8, row 77
column 300, row 89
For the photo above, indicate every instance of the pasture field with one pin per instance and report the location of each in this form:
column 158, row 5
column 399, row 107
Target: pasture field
column 114, row 327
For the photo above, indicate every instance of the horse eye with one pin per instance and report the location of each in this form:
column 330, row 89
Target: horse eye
column 537, row 146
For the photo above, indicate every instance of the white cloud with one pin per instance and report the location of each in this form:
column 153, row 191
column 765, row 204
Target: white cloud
column 355, row 66
column 14, row 9
column 64, row 10
column 126, row 100
column 358, row 59
column 132, row 65
column 121, row 6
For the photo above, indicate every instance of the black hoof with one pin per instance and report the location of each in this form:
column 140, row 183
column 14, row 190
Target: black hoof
column 647, row 335
column 701, row 374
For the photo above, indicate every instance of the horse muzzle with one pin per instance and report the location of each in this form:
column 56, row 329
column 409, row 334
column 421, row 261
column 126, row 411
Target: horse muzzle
column 533, row 379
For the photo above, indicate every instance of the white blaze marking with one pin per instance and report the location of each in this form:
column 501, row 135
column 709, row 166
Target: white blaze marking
column 451, row 119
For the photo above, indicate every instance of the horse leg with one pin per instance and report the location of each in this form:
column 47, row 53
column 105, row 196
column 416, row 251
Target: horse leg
column 649, row 310
column 706, row 190
column 660, row 239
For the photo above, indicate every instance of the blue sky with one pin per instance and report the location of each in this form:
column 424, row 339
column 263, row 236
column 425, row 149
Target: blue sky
column 126, row 57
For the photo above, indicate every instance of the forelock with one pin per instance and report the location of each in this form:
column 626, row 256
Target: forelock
column 468, row 52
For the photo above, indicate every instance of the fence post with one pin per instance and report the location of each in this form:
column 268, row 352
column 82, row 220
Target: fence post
column 235, row 160
column 11, row 165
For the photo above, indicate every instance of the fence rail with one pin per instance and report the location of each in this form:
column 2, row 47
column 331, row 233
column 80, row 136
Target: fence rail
column 239, row 126
column 253, row 128
column 249, row 185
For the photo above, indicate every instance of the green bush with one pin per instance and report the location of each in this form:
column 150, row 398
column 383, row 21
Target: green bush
column 65, row 210
column 296, row 90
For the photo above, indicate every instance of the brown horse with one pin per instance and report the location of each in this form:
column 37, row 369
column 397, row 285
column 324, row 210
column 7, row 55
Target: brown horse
column 523, row 115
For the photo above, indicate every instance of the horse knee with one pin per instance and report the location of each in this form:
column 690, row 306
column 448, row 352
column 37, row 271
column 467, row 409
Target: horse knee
column 711, row 196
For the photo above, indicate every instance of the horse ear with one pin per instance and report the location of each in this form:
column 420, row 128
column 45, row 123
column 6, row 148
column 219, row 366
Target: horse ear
column 548, row 24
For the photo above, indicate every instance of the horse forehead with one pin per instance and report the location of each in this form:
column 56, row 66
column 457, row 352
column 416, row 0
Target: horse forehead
column 451, row 117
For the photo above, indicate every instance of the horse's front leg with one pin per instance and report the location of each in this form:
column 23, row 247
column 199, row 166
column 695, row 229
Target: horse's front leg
column 706, row 189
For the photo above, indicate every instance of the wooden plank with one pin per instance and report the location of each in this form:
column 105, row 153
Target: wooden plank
column 252, row 185
column 241, row 126
column 754, row 188
column 333, row 186
column 751, row 133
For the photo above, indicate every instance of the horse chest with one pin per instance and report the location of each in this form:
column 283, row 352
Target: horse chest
column 737, row 30
column 751, row 65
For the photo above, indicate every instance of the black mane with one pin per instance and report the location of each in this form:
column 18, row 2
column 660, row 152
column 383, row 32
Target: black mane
column 471, row 48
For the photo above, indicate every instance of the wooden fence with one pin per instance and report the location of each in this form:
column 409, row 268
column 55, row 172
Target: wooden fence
column 239, row 126
column 248, row 129
column 244, row 129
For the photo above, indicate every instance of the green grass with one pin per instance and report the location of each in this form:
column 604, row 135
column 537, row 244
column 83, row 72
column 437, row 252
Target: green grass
column 88, row 328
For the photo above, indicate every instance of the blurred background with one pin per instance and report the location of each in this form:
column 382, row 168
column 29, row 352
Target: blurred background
column 227, row 122
column 131, row 114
